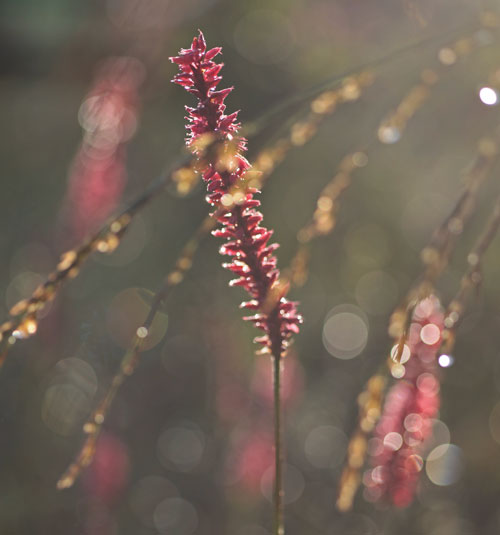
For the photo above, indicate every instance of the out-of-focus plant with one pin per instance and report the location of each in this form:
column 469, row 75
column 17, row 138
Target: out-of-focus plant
column 411, row 404
column 108, row 117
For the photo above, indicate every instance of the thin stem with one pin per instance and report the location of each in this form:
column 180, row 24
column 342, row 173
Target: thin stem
column 279, row 524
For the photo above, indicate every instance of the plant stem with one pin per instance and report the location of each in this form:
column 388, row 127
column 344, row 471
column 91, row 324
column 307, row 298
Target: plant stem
column 279, row 526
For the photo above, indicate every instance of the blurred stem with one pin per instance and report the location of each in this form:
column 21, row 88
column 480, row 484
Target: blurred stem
column 279, row 526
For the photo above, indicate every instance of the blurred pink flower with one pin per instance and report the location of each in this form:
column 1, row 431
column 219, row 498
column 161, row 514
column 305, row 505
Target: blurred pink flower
column 410, row 406
column 250, row 457
column 108, row 117
column 107, row 476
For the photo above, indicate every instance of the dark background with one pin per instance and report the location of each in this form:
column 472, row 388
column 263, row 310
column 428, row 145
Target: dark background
column 187, row 440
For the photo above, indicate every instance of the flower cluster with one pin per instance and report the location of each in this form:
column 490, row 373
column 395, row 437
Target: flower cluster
column 247, row 240
column 406, row 421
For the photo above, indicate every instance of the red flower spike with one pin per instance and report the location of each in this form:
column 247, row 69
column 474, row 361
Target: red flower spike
column 410, row 406
column 241, row 224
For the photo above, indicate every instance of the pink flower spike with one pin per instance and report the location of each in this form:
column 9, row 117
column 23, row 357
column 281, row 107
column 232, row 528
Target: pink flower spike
column 410, row 406
column 246, row 239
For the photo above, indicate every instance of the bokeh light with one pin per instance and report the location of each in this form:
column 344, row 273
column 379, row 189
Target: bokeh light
column 175, row 516
column 68, row 397
column 444, row 464
column 488, row 96
column 389, row 134
column 325, row 446
column 393, row 441
column 147, row 494
column 447, row 56
column 345, row 332
column 181, row 448
column 445, row 361
column 405, row 355
column 440, row 435
column 430, row 334
column 127, row 310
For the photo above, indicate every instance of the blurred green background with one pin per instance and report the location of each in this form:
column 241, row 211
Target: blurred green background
column 187, row 447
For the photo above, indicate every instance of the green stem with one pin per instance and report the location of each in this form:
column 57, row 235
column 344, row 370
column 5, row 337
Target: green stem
column 279, row 525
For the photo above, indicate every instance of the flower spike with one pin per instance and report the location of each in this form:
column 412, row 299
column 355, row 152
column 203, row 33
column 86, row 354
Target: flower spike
column 247, row 241
column 407, row 417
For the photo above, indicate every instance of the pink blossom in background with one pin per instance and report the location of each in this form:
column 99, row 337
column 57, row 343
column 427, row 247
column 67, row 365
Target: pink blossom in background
column 108, row 116
column 107, row 476
column 250, row 456
column 410, row 406
column 104, row 483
